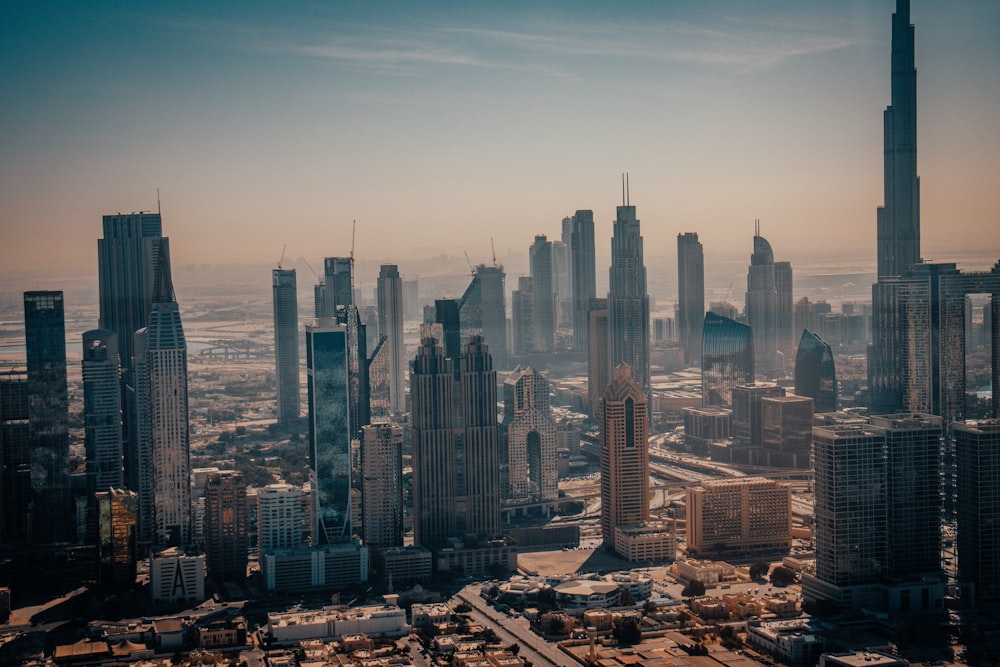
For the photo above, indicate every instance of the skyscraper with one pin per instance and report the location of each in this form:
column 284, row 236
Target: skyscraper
column 530, row 436
column 226, row 524
column 335, row 287
column 762, row 307
column 522, row 317
column 785, row 309
column 899, row 218
column 116, row 542
column 977, row 454
column 280, row 517
column 284, row 297
column 815, row 374
column 382, row 485
column 483, row 310
column 479, row 485
column 102, row 411
column 390, row 325
column 598, row 372
column 628, row 300
column 690, row 294
column 727, row 358
column 15, row 457
column 542, row 265
column 48, row 413
column 330, row 429
column 584, row 276
column 624, row 425
column 166, row 359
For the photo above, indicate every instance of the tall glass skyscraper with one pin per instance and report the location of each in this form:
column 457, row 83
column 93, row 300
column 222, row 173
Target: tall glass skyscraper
column 690, row 294
column 977, row 454
column 815, row 374
column 628, row 300
column 330, row 430
column 390, row 324
column 102, row 411
column 483, row 310
column 727, row 358
column 584, row 276
column 336, row 287
column 284, row 297
column 770, row 324
column 544, row 302
column 48, row 410
column 15, row 457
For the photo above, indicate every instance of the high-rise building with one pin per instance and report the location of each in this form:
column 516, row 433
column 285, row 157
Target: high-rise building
column 48, row 413
column 335, row 287
column 15, row 457
column 786, row 311
column 762, row 308
column 522, row 317
column 281, row 518
column 382, row 485
column 690, row 295
column 139, row 444
column 727, row 358
column 411, row 299
column 447, row 314
column 624, row 427
column 542, row 265
column 786, row 432
column 598, row 372
column 977, row 456
column 628, row 300
column 116, row 538
column 530, row 437
column 899, row 218
column 584, row 276
column 102, row 411
column 170, row 447
column 746, row 515
column 330, row 429
column 815, row 374
column 286, row 343
column 226, row 521
column 747, row 423
column 390, row 325
column 483, row 311
column 479, row 483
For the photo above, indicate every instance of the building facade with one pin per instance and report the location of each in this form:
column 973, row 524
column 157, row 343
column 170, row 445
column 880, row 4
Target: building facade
column 584, row 276
column 530, row 438
column 542, row 264
column 382, row 485
column 116, row 538
column 977, row 454
column 746, row 515
column 628, row 300
column 815, row 373
column 284, row 298
column 727, row 358
column 102, row 411
column 390, row 325
column 690, row 295
column 226, row 525
column 483, row 311
column 598, row 372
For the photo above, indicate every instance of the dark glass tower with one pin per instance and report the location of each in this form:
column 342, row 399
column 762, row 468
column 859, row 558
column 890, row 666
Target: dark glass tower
column 15, row 457
column 977, row 454
column 815, row 375
column 390, row 325
column 479, row 486
column 335, row 287
column 102, row 411
column 690, row 294
column 726, row 358
column 762, row 307
column 483, row 310
column 544, row 303
column 899, row 218
column 286, row 343
column 628, row 300
column 584, row 276
column 48, row 409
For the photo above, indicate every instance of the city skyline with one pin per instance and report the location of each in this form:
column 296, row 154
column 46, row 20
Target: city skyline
column 326, row 115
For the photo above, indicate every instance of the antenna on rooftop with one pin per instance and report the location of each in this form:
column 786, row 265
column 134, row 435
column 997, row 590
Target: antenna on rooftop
column 623, row 188
column 157, row 201
column 628, row 192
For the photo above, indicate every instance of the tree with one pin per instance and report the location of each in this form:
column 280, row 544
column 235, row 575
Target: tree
column 627, row 631
column 625, row 598
column 759, row 570
column 693, row 589
column 783, row 576
column 546, row 599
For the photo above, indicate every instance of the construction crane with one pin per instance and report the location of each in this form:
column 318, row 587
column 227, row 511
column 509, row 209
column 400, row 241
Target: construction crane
column 469, row 261
column 494, row 249
column 283, row 249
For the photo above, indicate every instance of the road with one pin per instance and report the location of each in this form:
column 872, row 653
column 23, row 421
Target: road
column 511, row 630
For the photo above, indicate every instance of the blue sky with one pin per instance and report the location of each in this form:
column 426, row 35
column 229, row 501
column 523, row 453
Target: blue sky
column 439, row 125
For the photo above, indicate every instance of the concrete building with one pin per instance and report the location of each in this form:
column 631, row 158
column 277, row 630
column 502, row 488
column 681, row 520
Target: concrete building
column 747, row 424
column 382, row 485
column 325, row 567
column 745, row 515
column 226, row 525
column 116, row 538
column 175, row 576
column 529, row 437
column 388, row 620
column 628, row 298
column 281, row 518
column 705, row 425
column 977, row 454
column 786, row 432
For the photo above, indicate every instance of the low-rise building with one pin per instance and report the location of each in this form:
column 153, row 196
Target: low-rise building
column 861, row 659
column 335, row 622
column 404, row 565
column 331, row 566
column 708, row 572
column 792, row 641
column 175, row 576
column 646, row 542
column 424, row 615
column 478, row 561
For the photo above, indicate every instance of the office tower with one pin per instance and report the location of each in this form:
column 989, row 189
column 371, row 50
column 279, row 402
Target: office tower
column 382, row 485
column 379, row 383
column 284, row 296
column 522, row 317
column 411, row 299
column 330, row 429
column 786, row 432
column 432, row 438
column 628, row 301
column 598, row 375
column 747, row 425
column 335, row 287
column 390, row 325
column 15, row 457
column 483, row 310
column 624, row 425
column 126, row 268
column 706, row 424
column 815, row 375
column 480, row 442
column 762, row 307
column 542, row 266
column 741, row 516
column 530, row 435
column 139, row 445
column 727, row 358
column 102, row 411
column 913, row 467
column 48, row 413
column 783, row 288
column 851, row 533
column 584, row 276
column 690, row 295
column 977, row 454
column 447, row 314
column 166, row 359
column 899, row 218
column 116, row 538
column 226, row 542
column 281, row 517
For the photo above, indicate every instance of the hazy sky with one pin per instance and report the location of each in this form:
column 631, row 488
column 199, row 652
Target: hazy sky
column 439, row 125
